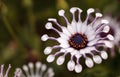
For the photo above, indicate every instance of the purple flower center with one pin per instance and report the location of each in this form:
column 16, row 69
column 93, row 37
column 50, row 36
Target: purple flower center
column 78, row 41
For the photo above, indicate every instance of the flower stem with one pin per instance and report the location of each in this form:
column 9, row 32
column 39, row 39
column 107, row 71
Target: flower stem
column 11, row 31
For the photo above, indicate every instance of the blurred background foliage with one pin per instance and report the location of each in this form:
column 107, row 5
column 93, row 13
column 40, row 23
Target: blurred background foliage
column 22, row 25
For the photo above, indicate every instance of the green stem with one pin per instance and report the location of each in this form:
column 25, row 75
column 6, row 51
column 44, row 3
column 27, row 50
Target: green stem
column 12, row 33
column 31, row 19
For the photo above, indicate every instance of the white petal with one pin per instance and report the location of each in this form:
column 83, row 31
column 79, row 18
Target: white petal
column 62, row 40
column 48, row 50
column 64, row 45
column 106, row 29
column 78, row 55
column 62, row 50
column 44, row 67
column 69, row 49
column 86, row 50
column 52, row 19
column 70, row 29
column 31, row 65
column 89, row 62
column 98, row 15
column 48, row 25
column 65, row 37
column 91, row 37
column 17, row 73
column 91, row 43
column 110, row 37
column 79, row 27
column 50, row 71
column 97, row 59
column 25, row 68
column 50, row 58
column 90, row 10
column 60, row 60
column 38, row 65
column 74, row 26
column 83, row 28
column 44, row 37
column 71, row 65
column 61, row 12
column 90, row 33
column 65, row 31
column 108, row 44
column 78, row 68
column 74, row 52
column 104, row 21
column 82, row 51
column 73, row 9
column 104, row 54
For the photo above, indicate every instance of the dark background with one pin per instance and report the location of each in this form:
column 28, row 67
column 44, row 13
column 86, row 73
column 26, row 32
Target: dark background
column 22, row 25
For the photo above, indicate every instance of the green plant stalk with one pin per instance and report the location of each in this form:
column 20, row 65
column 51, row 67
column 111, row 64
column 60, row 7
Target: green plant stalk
column 12, row 33
column 31, row 19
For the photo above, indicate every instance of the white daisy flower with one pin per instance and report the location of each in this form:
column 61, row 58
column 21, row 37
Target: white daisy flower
column 78, row 39
column 36, row 70
column 7, row 71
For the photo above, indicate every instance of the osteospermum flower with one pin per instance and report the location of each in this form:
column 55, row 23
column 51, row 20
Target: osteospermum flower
column 78, row 39
column 36, row 70
column 7, row 71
